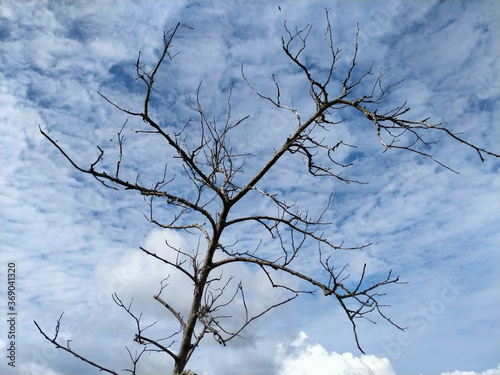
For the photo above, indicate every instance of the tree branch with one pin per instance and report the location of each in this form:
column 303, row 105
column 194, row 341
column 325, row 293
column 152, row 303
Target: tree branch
column 68, row 349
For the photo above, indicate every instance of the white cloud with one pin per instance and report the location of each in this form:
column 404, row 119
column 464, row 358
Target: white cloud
column 134, row 274
column 35, row 369
column 76, row 242
column 495, row 371
column 303, row 357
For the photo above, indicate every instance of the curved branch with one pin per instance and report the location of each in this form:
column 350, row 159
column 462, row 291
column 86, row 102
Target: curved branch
column 69, row 350
column 178, row 266
column 139, row 338
column 365, row 297
column 171, row 309
column 102, row 176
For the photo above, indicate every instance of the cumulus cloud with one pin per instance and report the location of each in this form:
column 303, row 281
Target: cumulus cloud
column 305, row 357
column 127, row 277
column 495, row 371
column 77, row 242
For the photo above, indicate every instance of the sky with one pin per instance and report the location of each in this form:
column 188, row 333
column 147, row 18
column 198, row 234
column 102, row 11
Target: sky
column 74, row 242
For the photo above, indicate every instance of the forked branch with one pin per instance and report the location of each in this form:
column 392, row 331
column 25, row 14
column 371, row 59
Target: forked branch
column 210, row 166
column 68, row 349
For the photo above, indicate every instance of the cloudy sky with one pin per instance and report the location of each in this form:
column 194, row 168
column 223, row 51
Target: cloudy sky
column 75, row 242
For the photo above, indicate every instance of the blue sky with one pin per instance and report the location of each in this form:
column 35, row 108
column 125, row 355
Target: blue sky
column 75, row 242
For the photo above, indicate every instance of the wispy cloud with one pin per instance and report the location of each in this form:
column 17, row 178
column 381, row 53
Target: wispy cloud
column 76, row 242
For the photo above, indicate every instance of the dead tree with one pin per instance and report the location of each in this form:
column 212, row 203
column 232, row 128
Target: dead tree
column 211, row 167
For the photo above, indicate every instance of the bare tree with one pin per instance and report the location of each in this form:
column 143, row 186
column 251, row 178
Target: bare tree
column 211, row 167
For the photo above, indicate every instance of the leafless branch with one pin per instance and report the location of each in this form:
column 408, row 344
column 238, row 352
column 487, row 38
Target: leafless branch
column 135, row 359
column 213, row 172
column 139, row 337
column 68, row 349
